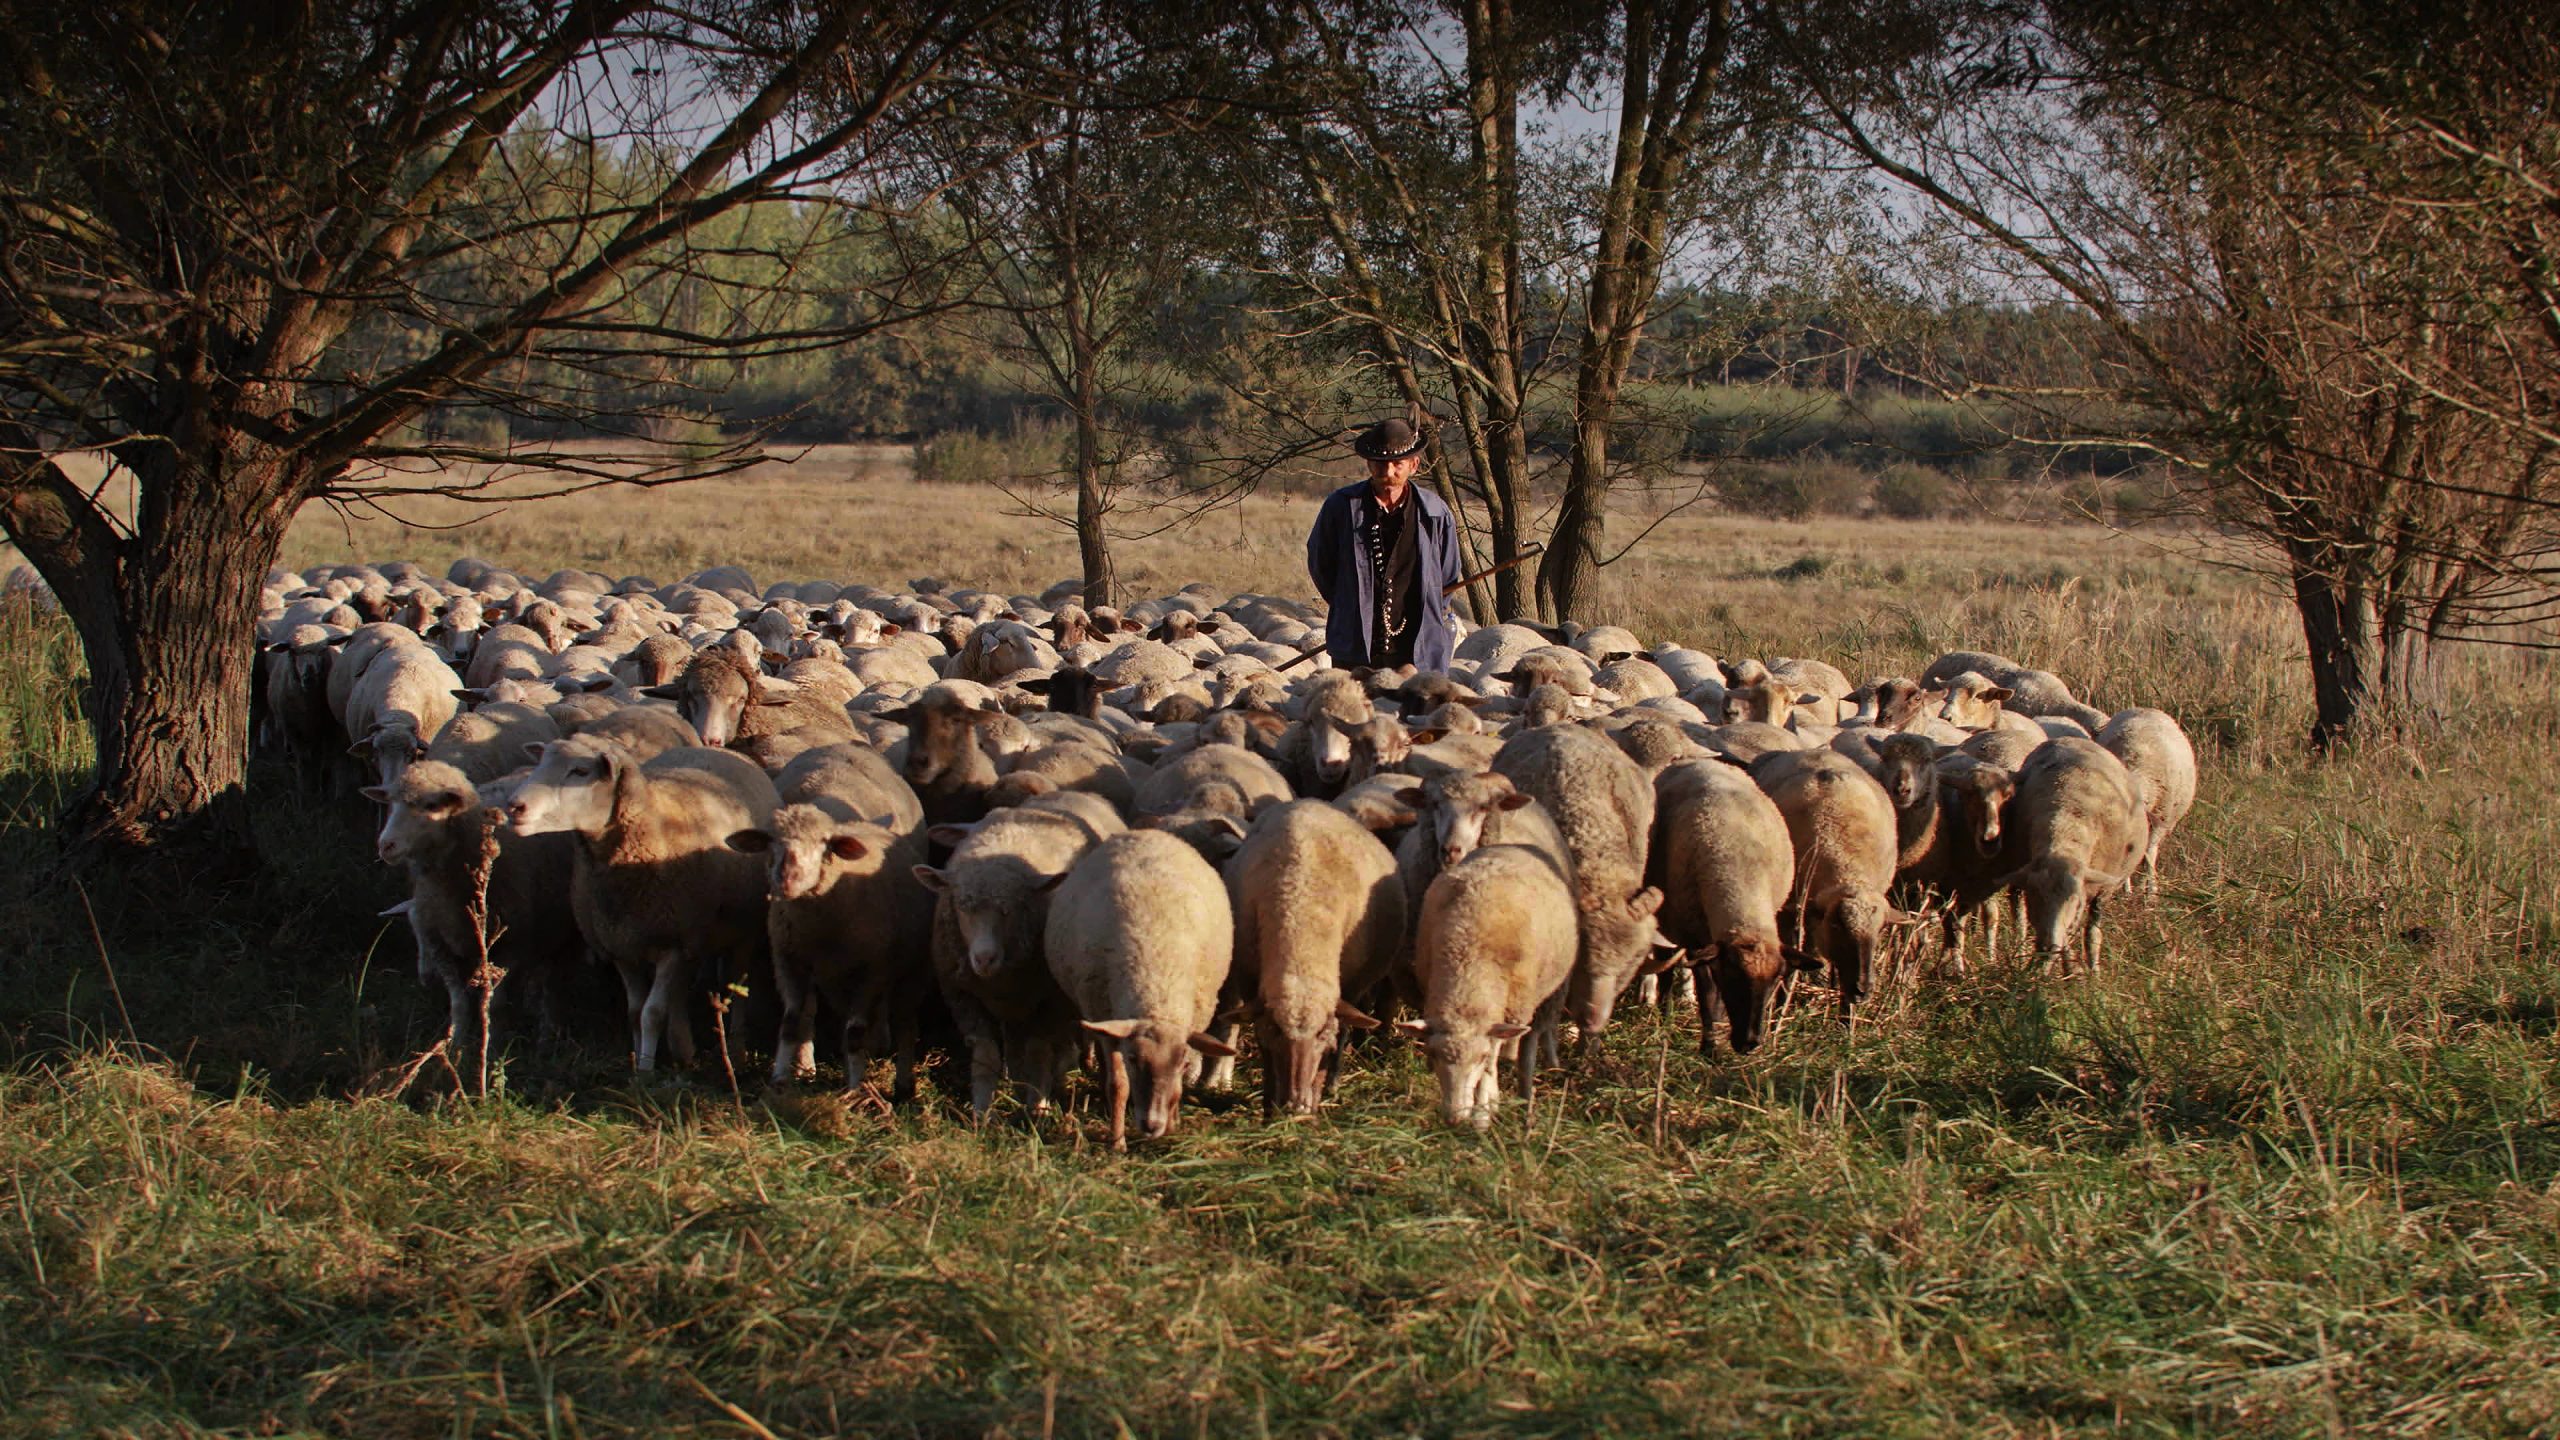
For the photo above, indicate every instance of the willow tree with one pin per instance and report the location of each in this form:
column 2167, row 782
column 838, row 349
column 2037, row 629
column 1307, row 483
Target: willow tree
column 227, row 233
column 2319, row 241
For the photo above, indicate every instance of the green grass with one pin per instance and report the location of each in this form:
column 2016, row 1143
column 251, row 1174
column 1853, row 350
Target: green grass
column 2287, row 1167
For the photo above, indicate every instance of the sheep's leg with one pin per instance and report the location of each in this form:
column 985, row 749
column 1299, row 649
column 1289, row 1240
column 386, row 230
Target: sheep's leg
column 2089, row 935
column 1711, row 996
column 902, row 1027
column 662, row 1013
column 1220, row 1073
column 635, row 994
column 795, row 1048
column 1116, row 1097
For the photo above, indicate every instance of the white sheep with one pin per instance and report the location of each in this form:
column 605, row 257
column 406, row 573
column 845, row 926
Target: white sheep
column 1497, row 944
column 1319, row 916
column 1139, row 937
column 656, row 889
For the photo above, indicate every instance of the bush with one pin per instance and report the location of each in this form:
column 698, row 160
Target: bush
column 1793, row 491
column 1913, row 492
column 1036, row 450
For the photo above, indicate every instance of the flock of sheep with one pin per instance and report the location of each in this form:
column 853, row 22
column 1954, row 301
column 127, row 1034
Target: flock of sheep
column 1119, row 835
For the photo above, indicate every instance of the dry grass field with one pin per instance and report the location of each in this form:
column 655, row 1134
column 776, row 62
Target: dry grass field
column 2286, row 1167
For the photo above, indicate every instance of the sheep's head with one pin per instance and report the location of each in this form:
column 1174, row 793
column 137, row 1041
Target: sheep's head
column 576, row 785
column 1907, row 765
column 1971, row 701
column 1213, row 822
column 1378, row 744
column 1467, row 1062
column 1984, row 792
column 1745, row 969
column 1158, row 1056
column 1456, row 807
column 392, row 747
column 806, row 850
column 1618, row 942
column 424, row 802
column 1296, row 1041
column 943, row 726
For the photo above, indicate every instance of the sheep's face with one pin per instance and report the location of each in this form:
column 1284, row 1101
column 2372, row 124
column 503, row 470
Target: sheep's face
column 713, row 697
column 1378, row 744
column 1907, row 765
column 391, row 749
column 1457, row 807
column 1210, row 828
column 1986, row 790
column 807, row 851
column 941, row 730
column 1745, row 971
column 1467, row 1061
column 998, row 906
column 1618, row 938
column 1159, row 1056
column 1972, row 702
column 1545, row 705
column 1296, row 1044
column 572, row 788
column 419, row 816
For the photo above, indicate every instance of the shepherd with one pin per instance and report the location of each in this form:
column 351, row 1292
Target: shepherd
column 1382, row 554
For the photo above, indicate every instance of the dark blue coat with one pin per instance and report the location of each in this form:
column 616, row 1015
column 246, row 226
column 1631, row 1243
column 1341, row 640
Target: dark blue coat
column 1338, row 561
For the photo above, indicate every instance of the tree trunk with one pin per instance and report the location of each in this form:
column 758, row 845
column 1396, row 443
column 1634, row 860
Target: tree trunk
column 1093, row 533
column 2337, row 625
column 168, row 623
column 1569, row 573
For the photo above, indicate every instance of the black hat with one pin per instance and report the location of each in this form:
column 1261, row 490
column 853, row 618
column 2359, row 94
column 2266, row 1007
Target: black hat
column 1388, row 440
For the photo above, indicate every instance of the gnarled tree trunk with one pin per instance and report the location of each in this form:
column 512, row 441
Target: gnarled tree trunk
column 167, row 616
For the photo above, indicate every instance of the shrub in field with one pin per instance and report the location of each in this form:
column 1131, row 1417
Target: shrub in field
column 1913, row 492
column 974, row 457
column 1794, row 491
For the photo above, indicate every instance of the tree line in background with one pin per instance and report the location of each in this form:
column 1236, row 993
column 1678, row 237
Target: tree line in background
column 2299, row 260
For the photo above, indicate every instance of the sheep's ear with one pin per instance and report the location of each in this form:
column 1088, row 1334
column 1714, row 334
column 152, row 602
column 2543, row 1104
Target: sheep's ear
column 1998, row 693
column 1116, row 1029
column 1614, row 656
column 1512, row 801
column 949, row 836
column 400, row 909
column 937, row 881
column 379, row 796
column 1666, row 956
column 533, row 750
column 750, row 842
column 770, row 691
column 1208, row 1044
column 1414, row 1028
column 1353, row 1016
column 1035, row 685
column 473, row 694
column 1470, row 698
column 1645, row 901
column 1508, row 677
column 1412, row 795
column 591, row 685
column 1808, row 697
column 847, row 847
column 662, row 692
column 1427, row 736
column 1052, row 883
column 1203, row 662
column 1505, row 1030
column 891, row 627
